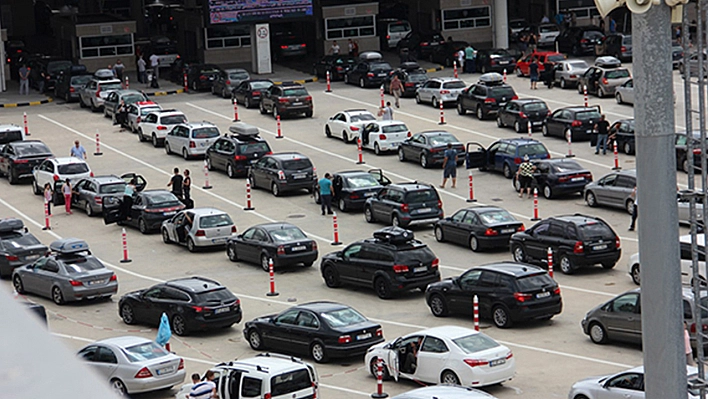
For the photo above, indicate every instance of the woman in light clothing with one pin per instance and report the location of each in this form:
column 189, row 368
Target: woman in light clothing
column 66, row 190
column 48, row 194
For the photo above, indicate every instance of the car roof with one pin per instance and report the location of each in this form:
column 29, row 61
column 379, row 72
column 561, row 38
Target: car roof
column 410, row 186
column 446, row 79
column 286, row 156
column 66, row 160
column 27, row 142
column 686, row 239
column 107, row 81
column 577, row 218
column 524, row 101
column 107, row 179
column 322, row 306
column 289, row 84
column 9, row 126
column 451, row 332
column 206, row 211
column 155, row 191
column 124, row 341
column 624, row 172
column 194, row 284
column 234, row 70
column 125, row 92
column 558, row 160
column 193, row 125
column 519, row 141
column 167, row 112
column 148, row 103
column 512, row 268
column 356, row 111
column 271, row 364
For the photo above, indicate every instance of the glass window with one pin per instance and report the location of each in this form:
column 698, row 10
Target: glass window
column 463, row 18
column 459, row 216
column 251, row 387
column 73, row 168
column 297, row 164
column 470, row 278
column 287, row 234
column 435, row 345
column 632, row 381
column 352, row 252
column 475, row 343
column 211, row 221
column 307, row 319
column 342, row 317
column 226, row 36
column 534, row 282
column 352, row 27
column 626, row 303
column 145, row 351
column 205, row 133
column 80, row 264
column 106, row 355
column 105, row 46
column 287, row 317
column 290, row 382
column 496, row 216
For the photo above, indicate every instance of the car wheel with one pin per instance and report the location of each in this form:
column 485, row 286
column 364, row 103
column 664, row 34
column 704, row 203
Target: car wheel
column 166, row 236
column 224, row 93
column 499, row 121
column 449, row 377
column 265, row 263
column 501, row 317
column 231, row 253
column 155, row 141
column 590, row 199
column 480, row 113
column 167, row 148
column 88, row 209
column 345, row 137
column 438, row 306
column 246, row 102
column 601, row 92
column 209, row 166
column 252, row 182
column 439, row 235
column 598, row 334
column 255, row 339
column 57, row 296
column 424, row 161
column 35, row 188
column 142, row 226
column 374, row 368
column 507, row 171
column 82, row 104
column 566, row 265
column 328, row 132
column 629, row 206
column 308, row 114
column 12, row 176
column 127, row 314
column 194, row 86
column 580, row 88
column 395, row 221
column 17, row 284
column 547, row 192
column 331, row 277
column 417, row 99
column 230, row 171
column 618, row 97
column 636, row 276
column 474, row 244
column 318, row 198
column 382, row 288
column 368, row 215
column 275, row 189
column 190, row 245
column 377, row 149
column 67, row 98
column 563, row 84
column 185, row 154
column 346, row 79
column 685, row 165
column 362, row 84
column 517, row 127
column 545, row 131
column 519, row 253
column 519, row 73
column 342, row 205
column 141, row 137
column 627, row 147
column 401, row 155
column 179, row 325
column 119, row 387
column 275, row 112
column 576, row 50
column 461, row 109
column 94, row 108
column 262, row 109
column 318, row 353
column 435, row 102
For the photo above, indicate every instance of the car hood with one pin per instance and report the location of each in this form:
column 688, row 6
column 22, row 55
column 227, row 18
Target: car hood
column 261, row 319
column 589, row 382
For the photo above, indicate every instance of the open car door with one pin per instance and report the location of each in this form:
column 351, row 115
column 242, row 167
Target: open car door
column 140, row 182
column 111, row 210
column 476, row 156
column 58, row 196
column 380, row 177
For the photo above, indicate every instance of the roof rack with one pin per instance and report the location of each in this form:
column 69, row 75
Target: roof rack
column 10, row 224
column 394, row 235
column 69, row 246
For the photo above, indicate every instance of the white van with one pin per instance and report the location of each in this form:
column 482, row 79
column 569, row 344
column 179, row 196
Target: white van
column 391, row 31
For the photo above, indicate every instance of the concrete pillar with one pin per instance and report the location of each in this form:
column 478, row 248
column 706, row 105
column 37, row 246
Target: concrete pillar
column 500, row 24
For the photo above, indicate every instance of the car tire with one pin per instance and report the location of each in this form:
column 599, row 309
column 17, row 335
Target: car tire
column 417, row 99
column 635, row 273
column 563, row 84
column 374, row 368
column 439, row 234
column 518, row 253
column 369, row 215
column 484, row 69
column 318, row 352
column 395, row 221
column 342, row 205
column 580, row 88
column 685, row 165
column 608, row 265
column 179, row 325
column 401, row 154
column 601, row 92
column 346, row 79
column 449, row 377
column 331, row 277
column 547, row 191
column 544, row 131
column 618, row 97
column 566, row 265
column 576, row 50
column 435, row 103
column 35, row 188
column 517, row 127
column 362, row 84
column 480, row 113
column 231, row 253
column 57, row 296
column 629, row 206
column 185, row 154
column 252, row 182
column 438, row 306
column 500, row 124
column 274, row 189
column 474, row 244
column 383, row 288
column 377, row 149
column 127, row 314
column 328, row 132
column 18, row 285
column 597, row 333
column 89, row 210
column 308, row 114
column 261, row 108
column 207, row 160
column 119, row 387
column 590, row 199
column 155, row 141
column 191, row 246
column 275, row 112
column 224, row 93
column 12, row 176
column 246, row 102
column 461, row 110
column 507, row 171
column 265, row 263
column 424, row 161
column 165, row 236
column 230, row 171
column 501, row 317
column 255, row 339
column 168, row 151
column 82, row 104
column 194, row 86
column 142, row 226
column 628, row 148
column 345, row 138
column 141, row 137
column 317, row 197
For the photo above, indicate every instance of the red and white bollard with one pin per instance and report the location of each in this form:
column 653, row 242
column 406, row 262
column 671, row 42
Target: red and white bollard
column 280, row 132
column 125, row 259
column 442, row 114
column 617, row 161
column 569, row 138
column 504, row 75
column 475, row 303
column 168, row 347
column 329, row 83
column 127, row 83
column 585, row 95
column 381, row 92
column 361, row 154
column 471, row 198
column 186, row 82
column 46, row 216
column 379, row 394
column 206, row 186
column 454, row 69
column 550, row 262
column 236, row 111
column 27, row 133
column 529, row 128
column 249, row 206
column 535, row 205
column 98, row 144
column 272, row 291
column 335, row 227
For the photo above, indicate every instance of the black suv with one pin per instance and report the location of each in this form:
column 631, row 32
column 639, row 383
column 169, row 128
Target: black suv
column 191, row 303
column 18, row 246
column 519, row 113
column 202, row 76
column 368, row 73
column 508, row 292
column 486, row 96
column 17, row 159
column 412, row 76
column 70, row 81
column 579, row 40
column 235, row 153
column 285, row 171
column 421, row 44
column 576, row 241
column 286, row 98
column 392, row 261
column 404, row 204
column 577, row 121
column 46, row 69
column 494, row 60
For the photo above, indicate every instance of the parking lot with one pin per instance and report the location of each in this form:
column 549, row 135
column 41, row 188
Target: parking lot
column 550, row 355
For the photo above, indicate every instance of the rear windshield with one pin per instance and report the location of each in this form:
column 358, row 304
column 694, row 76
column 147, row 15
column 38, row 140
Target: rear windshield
column 80, row 80
column 421, row 196
column 209, row 69
column 80, row 264
column 18, row 240
column 497, row 216
column 144, row 351
column 379, row 66
column 295, row 92
column 287, row 383
column 363, row 181
column 535, row 107
column 111, row 86
column 219, row 295
column 10, row 136
column 417, row 77
column 532, row 149
column 394, row 128
column 587, row 115
column 238, row 75
column 147, row 110
column 555, row 58
column 363, row 117
column 617, row 74
column 591, row 34
column 205, row 133
column 173, row 119
column 593, row 230
column 343, row 317
column 414, row 255
column 261, row 85
column 502, row 92
column 113, row 188
column 133, row 98
column 534, row 282
column 399, row 28
column 548, row 28
column 579, row 64
column 297, row 164
column 250, row 148
column 211, row 221
column 454, row 85
column 29, row 150
column 499, row 53
column 563, row 167
column 56, row 66
column 72, row 168
column 475, row 343
column 162, row 199
column 443, row 139
column 287, row 234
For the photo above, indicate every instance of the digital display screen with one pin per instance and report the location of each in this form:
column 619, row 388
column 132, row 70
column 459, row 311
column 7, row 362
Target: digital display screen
column 228, row 11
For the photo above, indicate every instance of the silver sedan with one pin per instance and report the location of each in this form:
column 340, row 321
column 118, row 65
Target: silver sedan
column 628, row 384
column 624, row 93
column 568, row 72
column 198, row 228
column 134, row 364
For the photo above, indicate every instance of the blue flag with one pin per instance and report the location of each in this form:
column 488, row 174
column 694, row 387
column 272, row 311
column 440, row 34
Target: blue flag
column 164, row 332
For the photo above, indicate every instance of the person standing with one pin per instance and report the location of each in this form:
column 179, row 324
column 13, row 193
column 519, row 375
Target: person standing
column 118, row 69
column 177, row 183
column 613, row 25
column 687, row 346
column 532, row 41
column 350, row 46
column 24, row 79
column 205, row 389
column 325, row 186
column 334, row 50
column 386, row 113
column 48, row 195
column 525, row 176
column 195, row 381
column 78, row 150
column 470, row 58
column 66, row 190
column 121, row 115
column 142, row 75
column 127, row 204
column 461, row 59
column 187, row 186
column 396, row 88
column 602, row 127
column 155, row 65
column 449, row 166
column 635, row 209
column 533, row 73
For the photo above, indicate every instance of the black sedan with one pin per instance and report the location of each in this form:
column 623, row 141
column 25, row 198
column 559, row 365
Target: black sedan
column 202, row 76
column 353, row 187
column 428, row 148
column 368, row 73
column 495, row 60
column 17, row 159
column 412, row 76
column 150, row 208
column 18, row 246
column 559, row 176
column 577, row 122
column 478, row 227
column 323, row 330
column 336, row 65
column 519, row 113
column 623, row 130
column 249, row 92
column 283, row 243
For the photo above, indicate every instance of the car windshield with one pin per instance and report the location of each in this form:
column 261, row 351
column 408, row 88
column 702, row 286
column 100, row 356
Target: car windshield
column 162, row 199
column 238, row 75
column 535, row 107
column 113, row 188
column 380, row 66
column 417, row 77
column 297, row 92
column 617, row 74
column 443, row 139
column 342, row 317
column 532, row 150
column 144, row 351
column 205, row 133
column 80, row 80
column 579, row 65
column 587, row 115
column 28, row 150
column 363, row 117
column 555, row 58
column 457, row 84
column 499, row 53
column 496, row 216
column 218, row 295
column 251, row 148
column 147, row 110
column 297, row 164
column 415, row 197
column 80, row 264
column 475, row 343
column 18, row 240
column 111, row 86
column 394, row 128
column 292, row 381
column 564, row 167
column 534, row 282
column 414, row 255
column 211, row 221
column 363, row 180
column 287, row 234
column 209, row 69
column 548, row 28
column 72, row 168
column 593, row 230
column 261, row 85
column 396, row 28
column 173, row 119
column 503, row 91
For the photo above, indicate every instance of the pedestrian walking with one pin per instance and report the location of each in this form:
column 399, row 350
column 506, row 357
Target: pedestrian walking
column 48, row 195
column 187, row 186
column 470, row 59
column 525, row 176
column 325, row 187
column 177, row 184
column 205, row 389
column 460, row 59
column 67, row 191
column 78, row 150
column 142, row 75
column 396, row 88
column 334, row 50
column 24, row 79
column 533, row 73
column 118, row 69
column 155, row 65
column 687, row 346
column 602, row 127
column 635, row 209
column 386, row 113
column 449, row 166
column 40, row 81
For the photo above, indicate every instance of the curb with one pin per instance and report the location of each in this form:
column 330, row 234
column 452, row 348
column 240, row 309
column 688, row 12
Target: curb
column 301, row 81
column 27, row 104
column 165, row 93
column 436, row 69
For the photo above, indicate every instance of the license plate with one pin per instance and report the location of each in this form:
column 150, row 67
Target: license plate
column 217, row 240
column 165, row 370
column 363, row 336
column 382, row 75
column 32, row 257
column 424, row 210
column 577, row 179
column 225, row 309
column 588, row 131
column 502, row 104
column 297, row 103
column 599, row 247
column 537, row 123
column 497, row 362
column 96, row 282
column 507, row 231
column 170, row 213
column 371, row 194
column 420, row 269
column 543, row 295
column 300, row 248
column 299, row 175
column 503, row 62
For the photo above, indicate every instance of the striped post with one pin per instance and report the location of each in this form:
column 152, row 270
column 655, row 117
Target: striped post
column 475, row 302
column 471, row 198
column 381, row 92
column 454, row 69
column 335, row 227
column 186, row 84
column 379, row 394
column 207, row 186
column 504, row 75
column 280, row 132
column 585, row 94
column 535, row 205
column 569, row 138
column 127, row 83
column 125, row 259
column 46, row 216
column 442, row 113
column 236, row 111
column 249, row 206
column 27, row 133
column 98, row 145
column 329, row 87
column 529, row 128
column 272, row 291
column 617, row 161
column 361, row 154
column 550, row 262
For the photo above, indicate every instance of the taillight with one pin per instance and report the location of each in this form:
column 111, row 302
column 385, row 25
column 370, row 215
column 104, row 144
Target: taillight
column 98, row 91
column 181, row 364
column 491, row 232
column 409, row 134
column 617, row 242
column 444, row 91
column 283, row 100
column 113, row 278
column 98, row 200
column 55, row 177
column 379, row 332
column 228, row 83
column 314, row 246
column 388, row 37
column 138, row 119
column 696, row 150
column 303, row 45
column 162, row 128
column 404, row 208
column 75, row 283
column 521, row 297
column 409, row 84
column 475, row 362
column 623, row 49
column 344, row 339
column 517, row 161
column 267, row 396
column 435, row 263
column 548, row 113
column 521, row 228
column 522, row 115
column 339, row 69
column 91, row 174
column 143, row 373
column 202, row 77
column 573, row 76
column 240, row 158
column 308, row 98
column 490, row 101
column 583, row 41
column 71, row 90
column 557, row 291
column 233, row 229
column 192, row 144
column 693, row 327
column 382, row 136
column 20, row 161
column 200, row 233
column 578, row 247
column 198, row 309
column 440, row 204
column 281, row 175
column 284, row 47
column 255, row 93
column 354, row 128
column 515, row 97
column 370, row 74
column 576, row 123
column 509, row 355
column 604, row 81
column 12, row 258
column 400, row 269
column 354, row 196
column 281, row 250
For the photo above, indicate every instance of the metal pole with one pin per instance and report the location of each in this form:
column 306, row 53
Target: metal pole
column 662, row 334
column 3, row 56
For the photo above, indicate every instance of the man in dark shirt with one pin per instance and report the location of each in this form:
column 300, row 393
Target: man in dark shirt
column 449, row 166
column 602, row 128
column 176, row 182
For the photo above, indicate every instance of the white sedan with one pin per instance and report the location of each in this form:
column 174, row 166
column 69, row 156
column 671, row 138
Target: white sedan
column 686, row 272
column 447, row 355
column 54, row 170
column 134, row 364
column 347, row 124
column 382, row 136
column 628, row 384
column 139, row 110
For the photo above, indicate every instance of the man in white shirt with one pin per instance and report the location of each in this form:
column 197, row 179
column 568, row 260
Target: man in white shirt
column 205, row 389
column 154, row 64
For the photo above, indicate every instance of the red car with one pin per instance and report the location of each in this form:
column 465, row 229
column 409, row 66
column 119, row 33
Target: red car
column 522, row 66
